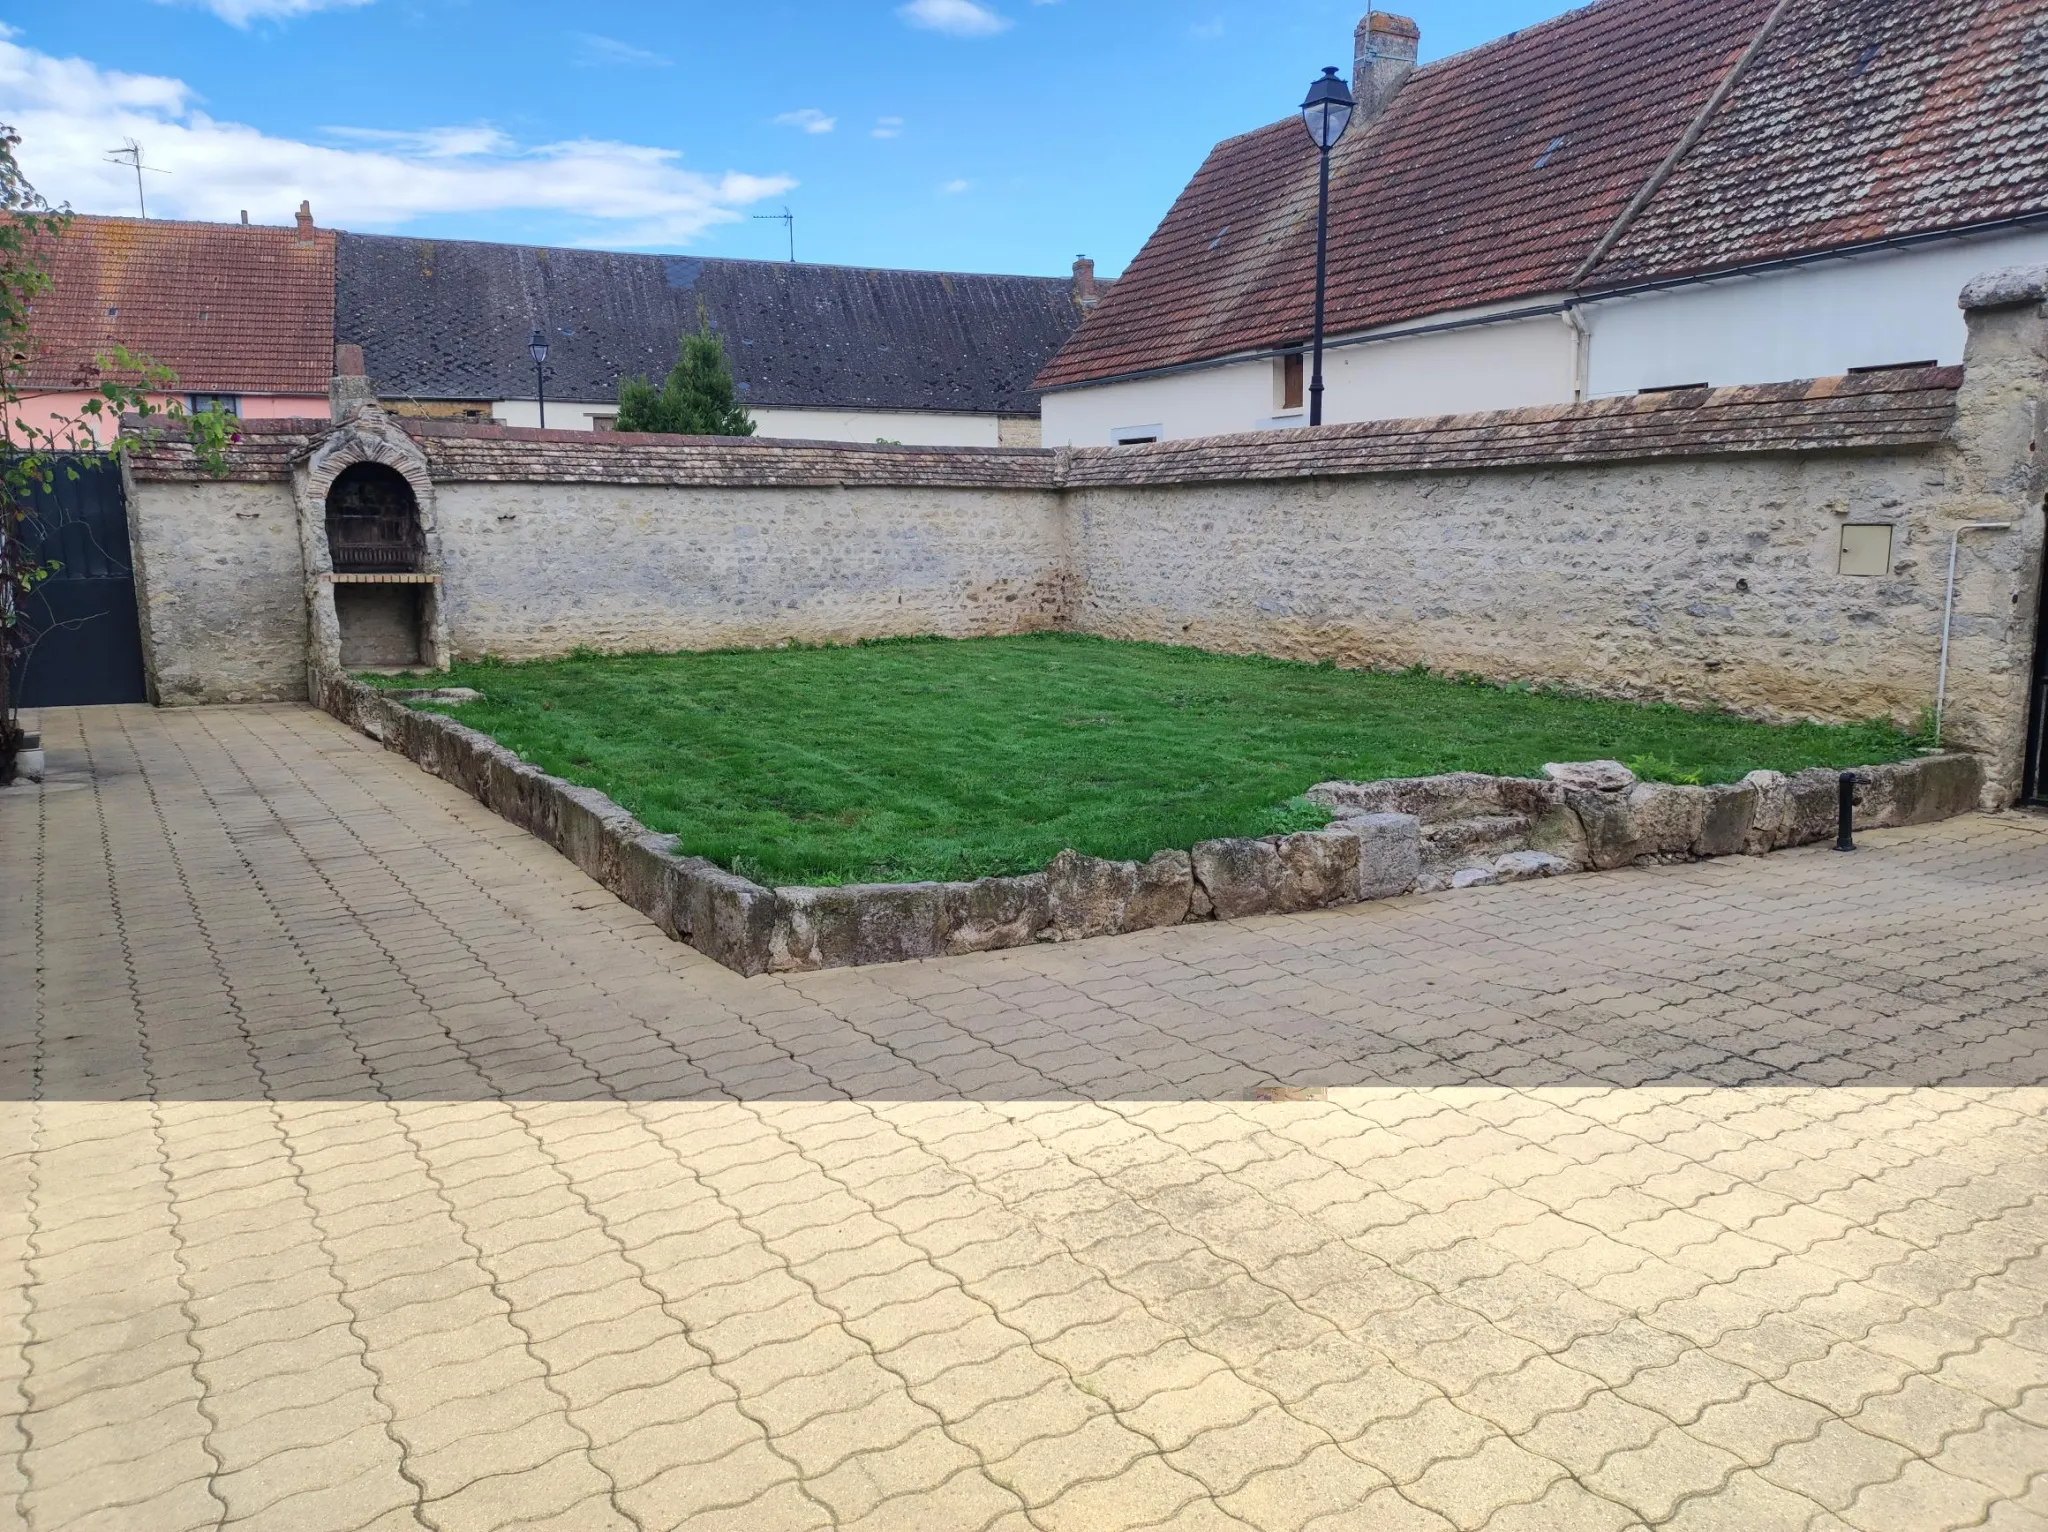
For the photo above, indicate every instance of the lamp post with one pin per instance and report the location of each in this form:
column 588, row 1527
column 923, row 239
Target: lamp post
column 1326, row 114
column 538, row 349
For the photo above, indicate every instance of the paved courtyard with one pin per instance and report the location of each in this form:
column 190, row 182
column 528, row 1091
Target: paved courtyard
column 367, row 1166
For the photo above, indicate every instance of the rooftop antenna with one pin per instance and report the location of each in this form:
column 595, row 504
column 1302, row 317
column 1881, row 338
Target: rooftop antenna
column 788, row 220
column 130, row 153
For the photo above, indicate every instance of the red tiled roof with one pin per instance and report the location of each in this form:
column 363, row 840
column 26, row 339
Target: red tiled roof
column 1491, row 175
column 231, row 308
column 1497, row 175
column 1858, row 120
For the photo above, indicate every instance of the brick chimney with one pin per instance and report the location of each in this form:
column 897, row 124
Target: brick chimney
column 1383, row 56
column 1085, row 294
column 306, row 222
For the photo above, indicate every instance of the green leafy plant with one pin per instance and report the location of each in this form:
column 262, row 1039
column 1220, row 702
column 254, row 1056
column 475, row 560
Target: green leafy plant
column 699, row 397
column 1655, row 768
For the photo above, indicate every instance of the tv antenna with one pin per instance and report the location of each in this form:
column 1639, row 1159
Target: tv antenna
column 130, row 153
column 788, row 220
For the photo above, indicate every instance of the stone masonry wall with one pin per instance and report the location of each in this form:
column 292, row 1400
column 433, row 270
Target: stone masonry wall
column 221, row 586
column 1680, row 546
column 537, row 569
column 1697, row 582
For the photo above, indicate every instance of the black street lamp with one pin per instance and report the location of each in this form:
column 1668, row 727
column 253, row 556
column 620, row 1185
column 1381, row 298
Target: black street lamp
column 1326, row 113
column 538, row 349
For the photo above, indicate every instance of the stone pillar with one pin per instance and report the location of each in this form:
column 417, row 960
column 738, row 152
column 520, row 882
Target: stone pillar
column 1998, row 476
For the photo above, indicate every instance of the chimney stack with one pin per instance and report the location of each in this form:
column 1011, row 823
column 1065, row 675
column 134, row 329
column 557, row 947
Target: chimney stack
column 1085, row 295
column 306, row 222
column 349, row 390
column 1383, row 56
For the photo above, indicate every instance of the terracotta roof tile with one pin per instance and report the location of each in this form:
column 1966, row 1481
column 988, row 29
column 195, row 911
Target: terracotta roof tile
column 1491, row 175
column 231, row 308
column 1858, row 120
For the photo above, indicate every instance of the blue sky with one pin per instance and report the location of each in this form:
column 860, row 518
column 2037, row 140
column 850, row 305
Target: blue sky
column 991, row 135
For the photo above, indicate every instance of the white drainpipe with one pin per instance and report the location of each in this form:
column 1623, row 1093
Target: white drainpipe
column 1948, row 612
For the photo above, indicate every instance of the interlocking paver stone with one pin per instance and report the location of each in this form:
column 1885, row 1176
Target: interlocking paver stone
column 367, row 1166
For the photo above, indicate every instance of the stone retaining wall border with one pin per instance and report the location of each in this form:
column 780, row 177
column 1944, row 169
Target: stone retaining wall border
column 1386, row 839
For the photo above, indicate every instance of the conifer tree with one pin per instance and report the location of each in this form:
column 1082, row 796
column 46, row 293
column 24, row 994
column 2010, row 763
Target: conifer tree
column 698, row 398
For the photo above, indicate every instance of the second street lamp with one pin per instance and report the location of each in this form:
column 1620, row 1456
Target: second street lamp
column 538, row 349
column 1326, row 114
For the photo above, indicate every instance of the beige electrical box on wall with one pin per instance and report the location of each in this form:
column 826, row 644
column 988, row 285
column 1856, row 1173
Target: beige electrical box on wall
column 1865, row 550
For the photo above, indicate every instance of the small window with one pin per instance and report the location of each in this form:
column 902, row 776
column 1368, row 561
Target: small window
column 1134, row 436
column 1865, row 550
column 604, row 422
column 1288, row 381
column 227, row 404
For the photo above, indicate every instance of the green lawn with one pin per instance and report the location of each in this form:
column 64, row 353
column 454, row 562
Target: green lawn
column 934, row 758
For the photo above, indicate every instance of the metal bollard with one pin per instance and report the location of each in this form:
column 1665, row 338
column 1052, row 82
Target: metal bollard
column 1845, row 812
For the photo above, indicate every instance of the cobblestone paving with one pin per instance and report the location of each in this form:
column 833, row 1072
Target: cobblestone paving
column 366, row 1166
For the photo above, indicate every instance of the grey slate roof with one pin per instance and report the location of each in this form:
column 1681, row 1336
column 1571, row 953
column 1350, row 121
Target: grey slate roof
column 450, row 319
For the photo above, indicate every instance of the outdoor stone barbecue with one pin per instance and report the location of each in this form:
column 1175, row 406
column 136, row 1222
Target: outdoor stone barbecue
column 1417, row 834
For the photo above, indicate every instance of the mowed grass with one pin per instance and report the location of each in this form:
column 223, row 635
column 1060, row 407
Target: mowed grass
column 935, row 758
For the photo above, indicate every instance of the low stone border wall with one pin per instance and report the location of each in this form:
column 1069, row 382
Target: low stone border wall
column 1387, row 838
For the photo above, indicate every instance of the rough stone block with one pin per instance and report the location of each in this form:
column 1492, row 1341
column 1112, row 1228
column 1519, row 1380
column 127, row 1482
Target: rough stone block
column 857, row 923
column 1389, row 853
column 1590, row 776
column 1455, row 845
column 1559, row 834
column 1089, row 896
column 1276, row 874
column 586, row 826
column 1725, row 828
column 1519, row 866
column 1668, row 817
column 1918, row 791
column 728, row 918
column 1768, row 819
column 1609, row 822
column 996, row 912
column 639, row 865
column 1473, row 877
column 1456, row 795
column 1810, row 806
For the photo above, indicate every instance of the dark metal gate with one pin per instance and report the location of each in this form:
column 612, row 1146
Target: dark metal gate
column 88, row 642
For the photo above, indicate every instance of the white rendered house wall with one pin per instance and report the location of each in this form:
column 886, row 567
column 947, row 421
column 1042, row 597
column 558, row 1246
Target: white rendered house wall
column 1388, row 377
column 1811, row 321
column 921, row 428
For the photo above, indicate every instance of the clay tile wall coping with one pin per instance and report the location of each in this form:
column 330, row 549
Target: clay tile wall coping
column 1903, row 409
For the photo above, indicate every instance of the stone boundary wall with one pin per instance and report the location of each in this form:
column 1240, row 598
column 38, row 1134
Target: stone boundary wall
column 1682, row 547
column 1387, row 839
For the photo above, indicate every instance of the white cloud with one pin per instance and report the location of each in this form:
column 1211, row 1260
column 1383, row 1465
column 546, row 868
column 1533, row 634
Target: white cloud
column 810, row 119
column 1207, row 31
column 594, row 51
column 958, row 18
column 239, row 13
column 69, row 110
column 431, row 143
column 887, row 127
column 955, row 187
